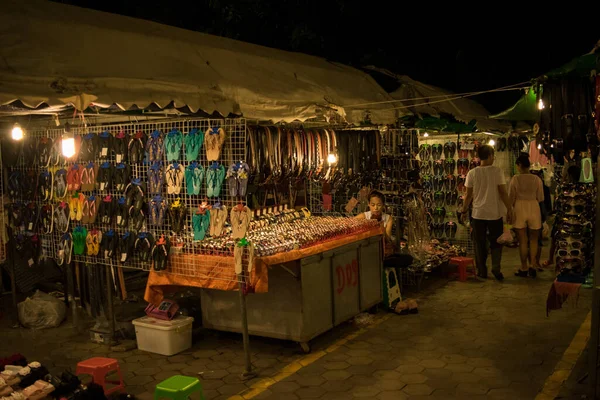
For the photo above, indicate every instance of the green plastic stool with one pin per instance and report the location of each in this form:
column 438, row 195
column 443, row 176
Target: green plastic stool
column 178, row 387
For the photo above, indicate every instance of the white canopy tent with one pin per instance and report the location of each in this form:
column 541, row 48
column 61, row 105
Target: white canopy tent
column 64, row 55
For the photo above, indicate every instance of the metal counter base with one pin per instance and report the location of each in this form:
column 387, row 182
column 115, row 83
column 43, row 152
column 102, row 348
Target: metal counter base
column 306, row 297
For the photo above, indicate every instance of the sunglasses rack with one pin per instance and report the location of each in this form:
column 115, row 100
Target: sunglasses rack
column 574, row 231
column 133, row 216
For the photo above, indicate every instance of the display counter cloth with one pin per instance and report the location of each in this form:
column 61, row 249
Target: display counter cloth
column 161, row 283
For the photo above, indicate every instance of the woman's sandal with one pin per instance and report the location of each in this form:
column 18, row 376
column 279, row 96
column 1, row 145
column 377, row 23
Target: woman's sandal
column 401, row 308
column 547, row 264
column 413, row 307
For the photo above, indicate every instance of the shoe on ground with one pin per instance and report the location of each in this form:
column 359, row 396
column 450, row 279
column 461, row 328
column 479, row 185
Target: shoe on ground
column 498, row 275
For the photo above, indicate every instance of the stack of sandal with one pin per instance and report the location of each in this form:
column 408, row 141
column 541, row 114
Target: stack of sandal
column 19, row 382
column 405, row 307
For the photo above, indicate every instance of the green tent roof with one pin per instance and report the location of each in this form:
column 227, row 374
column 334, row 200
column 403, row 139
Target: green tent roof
column 526, row 108
column 523, row 110
column 580, row 66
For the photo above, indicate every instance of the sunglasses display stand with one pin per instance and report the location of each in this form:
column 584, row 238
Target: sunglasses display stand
column 574, row 232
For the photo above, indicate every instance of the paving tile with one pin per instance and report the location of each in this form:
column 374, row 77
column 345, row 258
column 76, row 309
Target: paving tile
column 359, row 360
column 180, row 358
column 338, row 356
column 365, row 391
column 205, row 353
column 442, row 383
column 410, row 369
column 147, row 371
column 310, row 392
column 453, row 358
column 437, row 373
column 503, row 394
column 385, row 374
column 338, row 386
column 212, row 384
column 308, row 380
column 211, row 394
column 432, row 364
column 418, row 389
column 358, row 353
column 139, row 381
column 361, row 369
column 390, row 385
column 386, row 364
column 215, row 374
column 336, row 396
column 284, row 387
column 421, row 339
column 413, row 378
column 173, row 366
column 336, row 375
column 465, row 377
column 335, row 365
column 471, row 389
column 312, row 370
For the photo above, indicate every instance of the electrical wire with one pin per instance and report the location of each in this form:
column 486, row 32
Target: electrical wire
column 450, row 96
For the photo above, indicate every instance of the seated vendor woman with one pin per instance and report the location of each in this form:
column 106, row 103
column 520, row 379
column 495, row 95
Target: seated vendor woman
column 376, row 211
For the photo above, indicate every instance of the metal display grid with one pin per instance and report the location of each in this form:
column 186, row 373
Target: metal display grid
column 192, row 262
column 463, row 234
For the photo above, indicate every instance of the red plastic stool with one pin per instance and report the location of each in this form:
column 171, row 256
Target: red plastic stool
column 98, row 368
column 461, row 266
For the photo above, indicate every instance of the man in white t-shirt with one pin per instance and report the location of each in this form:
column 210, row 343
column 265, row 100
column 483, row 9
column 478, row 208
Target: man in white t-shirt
column 486, row 189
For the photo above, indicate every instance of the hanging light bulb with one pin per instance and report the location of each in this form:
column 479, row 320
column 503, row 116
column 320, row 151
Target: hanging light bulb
column 426, row 134
column 68, row 142
column 331, row 158
column 492, row 142
column 541, row 105
column 539, row 146
column 17, row 132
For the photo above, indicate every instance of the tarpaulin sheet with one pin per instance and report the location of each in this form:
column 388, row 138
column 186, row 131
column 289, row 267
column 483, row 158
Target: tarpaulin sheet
column 161, row 283
column 59, row 54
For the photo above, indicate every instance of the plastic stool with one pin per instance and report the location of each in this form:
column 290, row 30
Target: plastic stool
column 178, row 387
column 98, row 368
column 461, row 265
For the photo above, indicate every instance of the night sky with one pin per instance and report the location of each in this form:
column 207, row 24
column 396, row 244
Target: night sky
column 446, row 48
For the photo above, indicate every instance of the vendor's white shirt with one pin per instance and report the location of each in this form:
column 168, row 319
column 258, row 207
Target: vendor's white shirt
column 487, row 204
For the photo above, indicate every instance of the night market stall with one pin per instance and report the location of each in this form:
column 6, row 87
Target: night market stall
column 156, row 170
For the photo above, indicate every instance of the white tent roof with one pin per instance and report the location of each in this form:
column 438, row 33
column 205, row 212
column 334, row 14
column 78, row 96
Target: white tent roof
column 58, row 54
column 420, row 98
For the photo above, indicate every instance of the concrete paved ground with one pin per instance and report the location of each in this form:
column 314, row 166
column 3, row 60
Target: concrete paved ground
column 474, row 340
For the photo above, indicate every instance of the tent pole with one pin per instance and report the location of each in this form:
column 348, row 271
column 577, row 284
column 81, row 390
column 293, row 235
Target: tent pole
column 248, row 373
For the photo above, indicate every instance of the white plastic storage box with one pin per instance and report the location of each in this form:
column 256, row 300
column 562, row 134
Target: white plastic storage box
column 164, row 337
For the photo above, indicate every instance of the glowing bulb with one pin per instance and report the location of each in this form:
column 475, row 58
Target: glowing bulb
column 331, row 158
column 539, row 146
column 426, row 134
column 552, row 145
column 68, row 147
column 541, row 104
column 492, row 142
column 17, row 132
